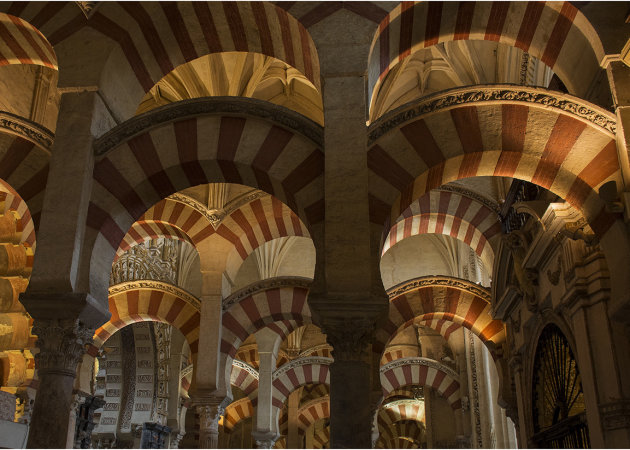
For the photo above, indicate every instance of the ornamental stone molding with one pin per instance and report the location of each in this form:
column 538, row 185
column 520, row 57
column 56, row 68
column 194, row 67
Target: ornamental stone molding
column 27, row 129
column 300, row 362
column 264, row 285
column 246, row 367
column 209, row 416
column 158, row 286
column 216, row 216
column 314, row 349
column 265, row 439
column 404, row 402
column 209, row 106
column 419, row 361
column 438, row 281
column 493, row 206
column 62, row 344
column 507, row 93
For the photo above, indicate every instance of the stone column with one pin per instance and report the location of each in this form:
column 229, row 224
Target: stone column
column 266, row 429
column 61, row 346
column 77, row 399
column 350, row 382
column 209, row 415
column 293, row 404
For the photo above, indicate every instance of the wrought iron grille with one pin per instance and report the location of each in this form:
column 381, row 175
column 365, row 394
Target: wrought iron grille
column 520, row 191
column 558, row 400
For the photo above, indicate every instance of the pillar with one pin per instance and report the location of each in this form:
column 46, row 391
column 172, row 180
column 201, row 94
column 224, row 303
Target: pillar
column 61, row 346
column 293, row 404
column 350, row 382
column 266, row 426
column 65, row 316
column 209, row 415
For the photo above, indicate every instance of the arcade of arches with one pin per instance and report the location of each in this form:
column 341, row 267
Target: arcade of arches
column 314, row 224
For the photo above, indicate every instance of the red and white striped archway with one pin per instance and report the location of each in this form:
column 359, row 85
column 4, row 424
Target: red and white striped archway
column 557, row 33
column 22, row 43
column 236, row 411
column 245, row 378
column 158, row 37
column 408, row 432
column 451, row 214
column 155, row 301
column 138, row 170
column 298, row 373
column 555, row 141
column 429, row 300
column 421, row 372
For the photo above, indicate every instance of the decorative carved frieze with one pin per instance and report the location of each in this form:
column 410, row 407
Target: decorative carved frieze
column 216, row 216
column 300, row 362
column 61, row 343
column 209, row 106
column 471, row 194
column 26, row 129
column 263, row 285
column 430, row 281
column 246, row 367
column 153, row 260
column 421, row 362
column 508, row 93
column 156, row 285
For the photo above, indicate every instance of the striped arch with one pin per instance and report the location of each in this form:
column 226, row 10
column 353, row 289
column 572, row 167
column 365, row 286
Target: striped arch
column 281, row 442
column 427, row 298
column 451, row 214
column 395, row 352
column 526, row 133
column 12, row 204
column 249, row 355
column 321, row 438
column 245, row 378
column 557, row 33
column 443, row 326
column 22, row 43
column 144, row 230
column 256, row 223
column 142, row 301
column 312, row 412
column 308, row 414
column 155, row 38
column 421, row 372
column 137, row 171
column 281, row 309
column 235, row 412
column 301, row 371
column 399, row 432
column 398, row 410
column 323, row 351
column 24, row 170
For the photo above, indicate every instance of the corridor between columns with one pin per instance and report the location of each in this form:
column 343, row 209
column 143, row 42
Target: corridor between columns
column 314, row 225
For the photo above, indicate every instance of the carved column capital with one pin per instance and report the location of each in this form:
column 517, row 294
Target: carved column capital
column 265, row 439
column 209, row 416
column 61, row 343
column 349, row 337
